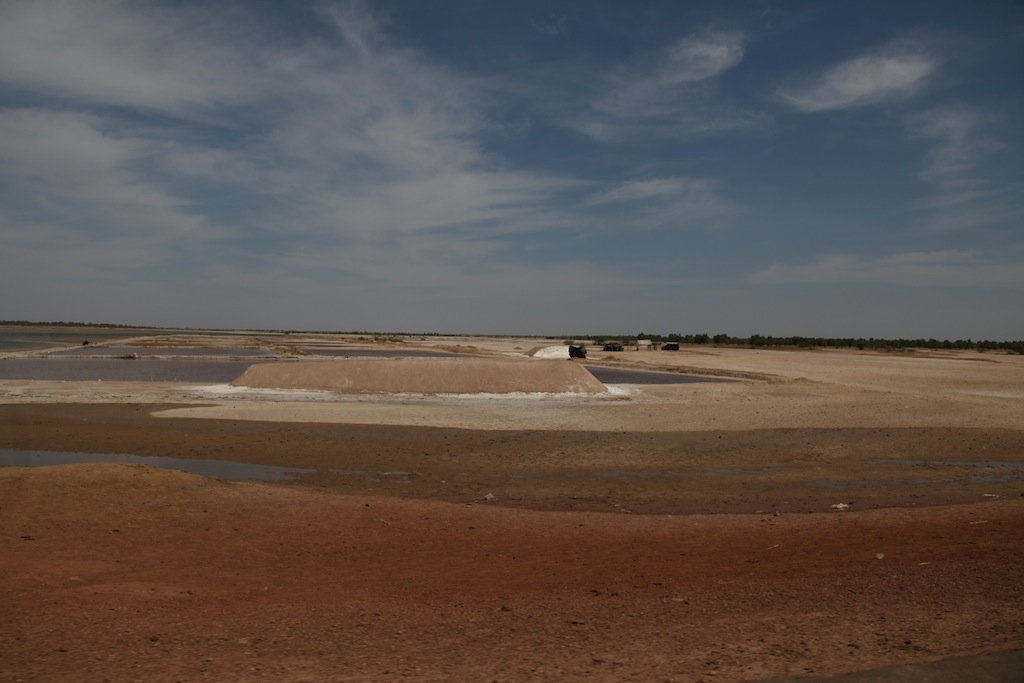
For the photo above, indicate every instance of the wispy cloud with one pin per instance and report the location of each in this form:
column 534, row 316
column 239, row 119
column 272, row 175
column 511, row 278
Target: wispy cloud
column 66, row 167
column 636, row 190
column 956, row 130
column 391, row 170
column 670, row 203
column 551, row 26
column 962, row 196
column 943, row 268
column 115, row 53
column 346, row 135
column 670, row 93
column 894, row 71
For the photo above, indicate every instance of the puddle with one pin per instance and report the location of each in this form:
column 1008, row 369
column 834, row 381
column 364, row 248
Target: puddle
column 141, row 351
column 224, row 469
column 109, row 370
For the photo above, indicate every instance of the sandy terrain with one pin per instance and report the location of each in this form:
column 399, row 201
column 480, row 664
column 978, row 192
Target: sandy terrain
column 825, row 512
column 424, row 376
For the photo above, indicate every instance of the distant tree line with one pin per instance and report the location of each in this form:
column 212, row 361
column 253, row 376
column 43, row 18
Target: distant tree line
column 754, row 340
column 61, row 323
column 763, row 341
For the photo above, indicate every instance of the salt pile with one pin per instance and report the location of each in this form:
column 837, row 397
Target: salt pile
column 425, row 376
column 550, row 352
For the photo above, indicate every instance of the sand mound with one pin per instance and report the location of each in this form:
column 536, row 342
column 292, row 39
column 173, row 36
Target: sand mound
column 425, row 376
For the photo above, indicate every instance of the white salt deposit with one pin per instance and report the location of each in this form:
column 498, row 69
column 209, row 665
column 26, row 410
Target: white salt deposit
column 231, row 390
column 513, row 395
column 552, row 352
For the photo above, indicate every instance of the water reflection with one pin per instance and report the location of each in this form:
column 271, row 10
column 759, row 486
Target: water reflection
column 225, row 469
column 107, row 370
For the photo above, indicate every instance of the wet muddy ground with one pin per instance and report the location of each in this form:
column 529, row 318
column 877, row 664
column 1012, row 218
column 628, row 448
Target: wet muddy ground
column 779, row 470
column 835, row 523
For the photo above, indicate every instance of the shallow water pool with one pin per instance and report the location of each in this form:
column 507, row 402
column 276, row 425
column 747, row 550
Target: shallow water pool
column 224, row 469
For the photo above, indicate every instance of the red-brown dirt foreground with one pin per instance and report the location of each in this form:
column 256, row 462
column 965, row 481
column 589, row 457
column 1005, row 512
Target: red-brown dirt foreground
column 822, row 515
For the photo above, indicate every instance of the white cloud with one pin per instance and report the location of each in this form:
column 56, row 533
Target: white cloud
column 671, row 94
column 962, row 197
column 673, row 188
column 353, row 178
column 657, row 187
column 64, row 165
column 959, row 144
column 699, row 57
column 656, row 203
column 943, row 268
column 350, row 136
column 894, row 71
column 171, row 157
column 492, row 202
column 126, row 54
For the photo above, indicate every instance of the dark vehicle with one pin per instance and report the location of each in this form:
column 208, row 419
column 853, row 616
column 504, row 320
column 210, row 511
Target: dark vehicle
column 577, row 351
column 670, row 346
column 613, row 346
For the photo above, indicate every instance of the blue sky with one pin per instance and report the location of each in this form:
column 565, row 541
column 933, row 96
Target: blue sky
column 809, row 168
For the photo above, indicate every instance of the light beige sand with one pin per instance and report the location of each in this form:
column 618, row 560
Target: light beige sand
column 827, row 389
column 783, row 389
column 424, row 376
